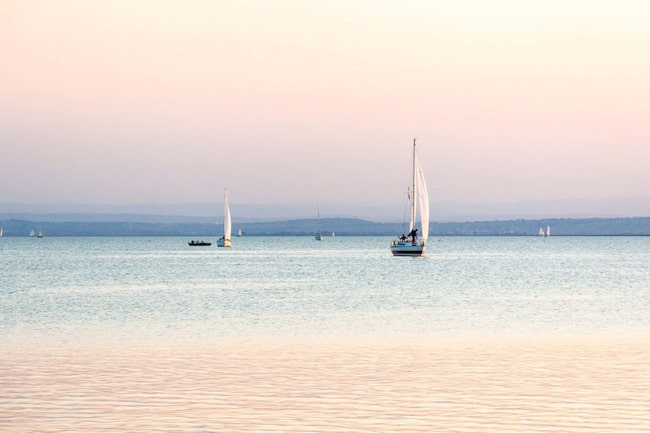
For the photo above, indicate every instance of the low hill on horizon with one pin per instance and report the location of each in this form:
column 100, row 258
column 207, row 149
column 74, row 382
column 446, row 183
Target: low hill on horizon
column 637, row 226
column 620, row 207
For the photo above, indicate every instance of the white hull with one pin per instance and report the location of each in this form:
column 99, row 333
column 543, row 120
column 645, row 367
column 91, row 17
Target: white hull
column 224, row 243
column 407, row 248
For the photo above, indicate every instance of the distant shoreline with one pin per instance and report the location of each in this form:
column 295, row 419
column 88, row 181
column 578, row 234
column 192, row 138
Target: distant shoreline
column 634, row 226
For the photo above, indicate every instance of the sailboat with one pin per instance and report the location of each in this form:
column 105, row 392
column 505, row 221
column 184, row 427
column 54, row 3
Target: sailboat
column 541, row 231
column 239, row 233
column 548, row 231
column 224, row 241
column 319, row 235
column 31, row 233
column 1, row 232
column 410, row 245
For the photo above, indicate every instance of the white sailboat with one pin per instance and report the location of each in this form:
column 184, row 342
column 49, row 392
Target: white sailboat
column 31, row 233
column 548, row 231
column 1, row 232
column 224, row 241
column 541, row 231
column 410, row 245
column 239, row 233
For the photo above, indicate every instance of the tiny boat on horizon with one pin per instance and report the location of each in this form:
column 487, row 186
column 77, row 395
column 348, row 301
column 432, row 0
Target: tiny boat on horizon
column 194, row 243
column 319, row 234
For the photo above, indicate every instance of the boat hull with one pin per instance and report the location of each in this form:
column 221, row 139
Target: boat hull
column 407, row 249
column 223, row 243
column 199, row 244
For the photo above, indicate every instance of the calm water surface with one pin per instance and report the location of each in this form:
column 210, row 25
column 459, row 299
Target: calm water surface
column 159, row 288
column 290, row 334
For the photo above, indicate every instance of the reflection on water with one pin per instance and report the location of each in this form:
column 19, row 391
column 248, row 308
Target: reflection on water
column 352, row 386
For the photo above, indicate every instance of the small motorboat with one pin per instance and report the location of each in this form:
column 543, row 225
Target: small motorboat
column 199, row 243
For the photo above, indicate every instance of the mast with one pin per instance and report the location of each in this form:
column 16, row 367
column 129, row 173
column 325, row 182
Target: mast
column 415, row 192
column 318, row 214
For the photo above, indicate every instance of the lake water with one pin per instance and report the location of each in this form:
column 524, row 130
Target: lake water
column 292, row 334
column 153, row 288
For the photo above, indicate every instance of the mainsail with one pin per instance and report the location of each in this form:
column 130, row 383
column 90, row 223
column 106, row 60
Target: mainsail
column 227, row 224
column 419, row 198
column 423, row 198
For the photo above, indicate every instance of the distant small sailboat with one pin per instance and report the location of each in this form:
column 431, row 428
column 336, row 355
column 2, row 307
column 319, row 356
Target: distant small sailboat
column 418, row 195
column 239, row 233
column 333, row 234
column 541, row 231
column 32, row 233
column 548, row 231
column 1, row 232
column 319, row 235
column 224, row 241
column 40, row 234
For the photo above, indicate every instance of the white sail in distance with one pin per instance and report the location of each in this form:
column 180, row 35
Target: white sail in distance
column 227, row 224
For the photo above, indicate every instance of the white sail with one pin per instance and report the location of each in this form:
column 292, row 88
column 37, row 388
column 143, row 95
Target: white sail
column 423, row 198
column 227, row 224
column 419, row 197
column 414, row 209
column 548, row 231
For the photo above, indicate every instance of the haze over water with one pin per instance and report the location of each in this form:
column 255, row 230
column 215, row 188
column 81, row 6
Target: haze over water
column 290, row 334
column 294, row 103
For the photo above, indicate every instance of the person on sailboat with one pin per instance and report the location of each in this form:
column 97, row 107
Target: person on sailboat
column 403, row 237
column 414, row 234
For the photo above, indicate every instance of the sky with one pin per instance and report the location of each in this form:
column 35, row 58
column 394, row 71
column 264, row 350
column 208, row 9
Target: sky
column 292, row 102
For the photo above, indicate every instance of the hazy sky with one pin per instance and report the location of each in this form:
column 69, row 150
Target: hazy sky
column 318, row 101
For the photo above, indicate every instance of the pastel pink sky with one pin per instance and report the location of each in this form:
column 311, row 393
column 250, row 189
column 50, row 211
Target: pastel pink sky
column 315, row 101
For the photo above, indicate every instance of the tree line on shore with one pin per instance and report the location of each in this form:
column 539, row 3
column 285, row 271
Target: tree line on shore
column 637, row 226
